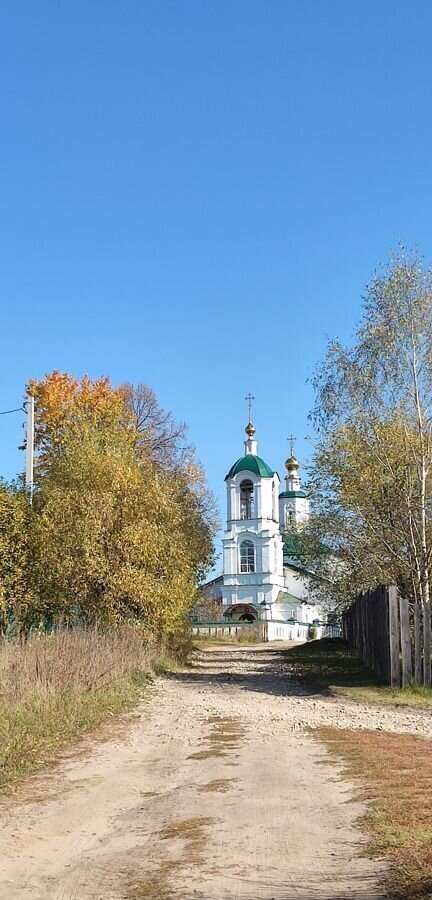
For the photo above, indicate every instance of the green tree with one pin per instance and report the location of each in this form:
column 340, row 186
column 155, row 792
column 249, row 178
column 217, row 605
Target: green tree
column 373, row 414
column 16, row 594
column 123, row 521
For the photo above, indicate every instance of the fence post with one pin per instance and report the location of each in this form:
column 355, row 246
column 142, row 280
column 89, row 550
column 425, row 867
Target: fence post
column 405, row 632
column 393, row 635
column 427, row 644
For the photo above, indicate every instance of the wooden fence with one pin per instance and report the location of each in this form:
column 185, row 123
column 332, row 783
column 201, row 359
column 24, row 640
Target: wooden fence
column 274, row 630
column 391, row 635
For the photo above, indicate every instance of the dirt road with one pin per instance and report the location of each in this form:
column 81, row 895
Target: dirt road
column 211, row 789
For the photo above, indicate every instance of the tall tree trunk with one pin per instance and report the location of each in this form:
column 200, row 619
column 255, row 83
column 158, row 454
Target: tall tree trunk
column 425, row 591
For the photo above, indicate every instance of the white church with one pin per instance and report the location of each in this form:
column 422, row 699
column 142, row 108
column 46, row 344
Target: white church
column 262, row 578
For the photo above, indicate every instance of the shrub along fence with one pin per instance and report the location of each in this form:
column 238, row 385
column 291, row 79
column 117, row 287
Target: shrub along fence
column 391, row 635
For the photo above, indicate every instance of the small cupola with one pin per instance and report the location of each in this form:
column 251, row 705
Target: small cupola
column 250, row 444
column 292, row 480
column 293, row 502
column 250, row 462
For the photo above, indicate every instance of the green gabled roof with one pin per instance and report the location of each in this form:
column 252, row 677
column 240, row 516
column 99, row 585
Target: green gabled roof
column 286, row 494
column 292, row 550
column 286, row 597
column 292, row 542
column 292, row 545
column 251, row 463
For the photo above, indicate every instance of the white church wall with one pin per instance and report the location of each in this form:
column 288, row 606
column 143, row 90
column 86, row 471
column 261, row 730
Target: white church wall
column 229, row 557
column 267, row 498
column 297, row 585
column 285, row 611
column 283, row 631
column 293, row 511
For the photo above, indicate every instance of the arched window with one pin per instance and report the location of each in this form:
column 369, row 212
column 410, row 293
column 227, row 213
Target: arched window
column 247, row 506
column 247, row 557
column 289, row 518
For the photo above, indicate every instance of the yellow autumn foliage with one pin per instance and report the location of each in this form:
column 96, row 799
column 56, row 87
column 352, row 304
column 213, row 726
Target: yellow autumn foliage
column 117, row 533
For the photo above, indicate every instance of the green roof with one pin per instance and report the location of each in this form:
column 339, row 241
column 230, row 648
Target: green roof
column 251, row 463
column 287, row 494
column 292, row 543
column 286, row 597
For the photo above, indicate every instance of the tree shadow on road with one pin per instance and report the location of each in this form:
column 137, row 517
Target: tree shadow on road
column 263, row 672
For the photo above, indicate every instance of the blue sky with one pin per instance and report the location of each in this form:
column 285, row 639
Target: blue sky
column 193, row 195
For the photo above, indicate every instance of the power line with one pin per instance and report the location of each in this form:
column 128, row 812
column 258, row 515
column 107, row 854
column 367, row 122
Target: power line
column 28, row 409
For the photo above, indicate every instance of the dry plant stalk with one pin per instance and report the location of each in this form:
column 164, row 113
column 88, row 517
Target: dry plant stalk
column 54, row 687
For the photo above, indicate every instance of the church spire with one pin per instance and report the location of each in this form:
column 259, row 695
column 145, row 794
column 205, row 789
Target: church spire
column 250, row 444
column 292, row 465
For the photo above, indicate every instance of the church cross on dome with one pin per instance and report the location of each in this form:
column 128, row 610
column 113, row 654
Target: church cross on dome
column 291, row 440
column 249, row 398
column 250, row 444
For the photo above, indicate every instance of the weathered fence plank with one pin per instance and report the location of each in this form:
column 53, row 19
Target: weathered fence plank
column 393, row 614
column 427, row 644
column 417, row 645
column 378, row 625
column 405, row 638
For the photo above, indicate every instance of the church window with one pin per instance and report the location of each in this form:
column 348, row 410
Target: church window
column 247, row 557
column 247, row 500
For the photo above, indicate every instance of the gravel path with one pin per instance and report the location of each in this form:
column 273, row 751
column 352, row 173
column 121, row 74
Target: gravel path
column 210, row 790
column 263, row 672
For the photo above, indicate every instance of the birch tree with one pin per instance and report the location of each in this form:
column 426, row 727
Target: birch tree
column 373, row 414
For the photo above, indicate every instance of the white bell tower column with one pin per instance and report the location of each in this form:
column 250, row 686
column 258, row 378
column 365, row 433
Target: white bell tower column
column 252, row 543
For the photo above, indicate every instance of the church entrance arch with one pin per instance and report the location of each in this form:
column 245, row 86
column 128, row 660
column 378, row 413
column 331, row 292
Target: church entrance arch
column 242, row 612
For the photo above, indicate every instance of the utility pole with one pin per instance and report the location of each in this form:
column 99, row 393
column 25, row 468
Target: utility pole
column 29, row 407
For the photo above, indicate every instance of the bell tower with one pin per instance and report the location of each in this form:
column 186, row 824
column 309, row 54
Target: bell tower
column 252, row 543
column 293, row 502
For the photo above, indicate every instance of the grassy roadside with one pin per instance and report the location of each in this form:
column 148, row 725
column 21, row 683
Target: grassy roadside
column 394, row 775
column 333, row 666
column 393, row 772
column 56, row 687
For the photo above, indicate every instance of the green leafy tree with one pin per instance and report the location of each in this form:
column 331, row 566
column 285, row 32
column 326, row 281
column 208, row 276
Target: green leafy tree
column 116, row 536
column 373, row 414
column 16, row 593
column 122, row 523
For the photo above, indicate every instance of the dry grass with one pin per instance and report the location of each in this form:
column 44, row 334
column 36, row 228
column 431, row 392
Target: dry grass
column 55, row 687
column 218, row 786
column 162, row 883
column 332, row 665
column 154, row 886
column 224, row 736
column 394, row 774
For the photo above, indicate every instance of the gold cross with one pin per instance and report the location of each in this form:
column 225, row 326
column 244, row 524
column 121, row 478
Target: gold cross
column 249, row 398
column 291, row 440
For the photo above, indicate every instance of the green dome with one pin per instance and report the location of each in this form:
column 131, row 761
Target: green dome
column 251, row 463
column 289, row 494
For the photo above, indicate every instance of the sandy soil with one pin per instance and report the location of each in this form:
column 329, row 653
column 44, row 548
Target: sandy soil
column 210, row 789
